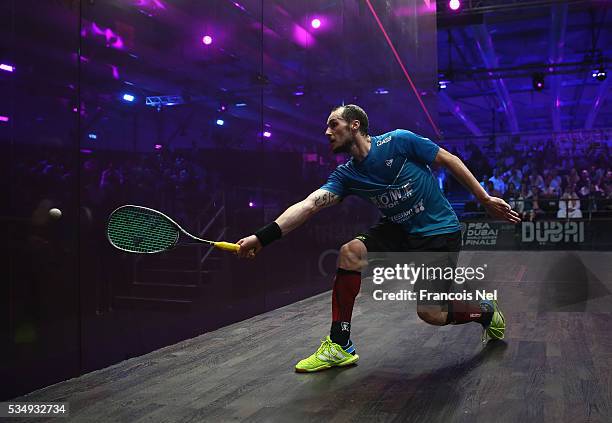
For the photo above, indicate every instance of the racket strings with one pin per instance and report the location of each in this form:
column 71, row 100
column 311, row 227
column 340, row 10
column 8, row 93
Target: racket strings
column 141, row 231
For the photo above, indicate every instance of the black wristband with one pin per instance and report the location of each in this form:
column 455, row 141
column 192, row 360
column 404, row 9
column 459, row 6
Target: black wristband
column 267, row 234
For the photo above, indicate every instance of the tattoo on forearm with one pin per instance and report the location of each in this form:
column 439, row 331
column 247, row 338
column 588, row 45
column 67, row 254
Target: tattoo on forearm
column 325, row 199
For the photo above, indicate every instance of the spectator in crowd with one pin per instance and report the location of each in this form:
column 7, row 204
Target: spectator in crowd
column 497, row 181
column 536, row 180
column 555, row 180
column 569, row 205
column 484, row 181
column 536, row 209
column 572, row 178
column 584, row 181
column 512, row 196
column 490, row 188
column 549, row 190
column 514, row 176
column 525, row 203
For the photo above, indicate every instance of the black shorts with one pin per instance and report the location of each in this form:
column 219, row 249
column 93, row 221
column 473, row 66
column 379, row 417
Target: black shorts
column 386, row 236
column 390, row 237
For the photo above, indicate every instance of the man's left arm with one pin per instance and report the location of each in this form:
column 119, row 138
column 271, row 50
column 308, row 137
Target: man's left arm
column 495, row 206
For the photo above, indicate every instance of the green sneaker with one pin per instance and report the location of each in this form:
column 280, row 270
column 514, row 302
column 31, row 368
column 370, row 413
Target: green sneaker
column 328, row 355
column 497, row 327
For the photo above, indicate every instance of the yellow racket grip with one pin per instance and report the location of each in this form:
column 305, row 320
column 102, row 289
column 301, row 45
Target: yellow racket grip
column 227, row 246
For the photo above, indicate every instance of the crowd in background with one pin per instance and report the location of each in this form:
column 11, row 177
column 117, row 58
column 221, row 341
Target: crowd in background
column 164, row 180
column 537, row 180
column 544, row 179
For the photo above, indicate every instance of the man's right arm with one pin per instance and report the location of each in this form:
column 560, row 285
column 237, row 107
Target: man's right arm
column 291, row 219
column 299, row 213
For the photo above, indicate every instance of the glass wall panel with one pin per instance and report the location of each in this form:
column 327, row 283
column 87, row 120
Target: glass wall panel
column 38, row 133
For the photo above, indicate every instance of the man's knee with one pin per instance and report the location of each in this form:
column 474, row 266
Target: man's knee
column 434, row 315
column 352, row 256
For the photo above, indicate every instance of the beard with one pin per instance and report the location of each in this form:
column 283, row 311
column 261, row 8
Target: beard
column 345, row 147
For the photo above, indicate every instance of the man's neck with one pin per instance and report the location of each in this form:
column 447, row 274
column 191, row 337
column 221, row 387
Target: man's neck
column 361, row 147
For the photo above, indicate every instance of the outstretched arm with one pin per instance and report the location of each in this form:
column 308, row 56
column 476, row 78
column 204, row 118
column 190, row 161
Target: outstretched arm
column 292, row 218
column 496, row 207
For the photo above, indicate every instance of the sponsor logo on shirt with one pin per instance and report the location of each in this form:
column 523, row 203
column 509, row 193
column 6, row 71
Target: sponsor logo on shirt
column 392, row 197
column 383, row 141
column 407, row 214
column 389, row 162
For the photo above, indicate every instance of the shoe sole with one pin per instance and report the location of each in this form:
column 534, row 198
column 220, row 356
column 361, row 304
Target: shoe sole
column 348, row 362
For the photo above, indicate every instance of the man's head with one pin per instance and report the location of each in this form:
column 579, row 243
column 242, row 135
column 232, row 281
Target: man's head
column 343, row 125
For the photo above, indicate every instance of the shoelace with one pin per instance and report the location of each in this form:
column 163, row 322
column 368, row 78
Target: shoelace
column 325, row 346
column 324, row 349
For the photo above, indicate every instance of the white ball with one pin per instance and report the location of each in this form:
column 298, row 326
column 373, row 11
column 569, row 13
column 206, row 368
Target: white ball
column 55, row 213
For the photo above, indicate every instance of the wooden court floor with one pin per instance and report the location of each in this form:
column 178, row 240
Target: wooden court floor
column 555, row 364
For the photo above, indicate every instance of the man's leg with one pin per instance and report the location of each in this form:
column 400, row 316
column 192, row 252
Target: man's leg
column 347, row 284
column 337, row 349
column 486, row 313
column 445, row 252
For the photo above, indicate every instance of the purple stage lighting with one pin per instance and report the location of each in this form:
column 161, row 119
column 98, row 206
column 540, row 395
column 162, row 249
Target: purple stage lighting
column 454, row 4
column 251, row 204
column 315, row 23
column 538, row 81
column 128, row 97
column 4, row 118
column 7, row 68
column 239, row 6
column 267, row 134
column 220, row 122
column 207, row 39
column 157, row 146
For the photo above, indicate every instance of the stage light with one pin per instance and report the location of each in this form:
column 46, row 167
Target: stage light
column 600, row 74
column 444, row 79
column 454, row 4
column 267, row 134
column 128, row 97
column 207, row 39
column 381, row 91
column 158, row 146
column 538, row 81
column 298, row 93
column 251, row 204
column 315, row 23
column 240, row 104
column 220, row 122
column 4, row 118
column 7, row 68
column 92, row 136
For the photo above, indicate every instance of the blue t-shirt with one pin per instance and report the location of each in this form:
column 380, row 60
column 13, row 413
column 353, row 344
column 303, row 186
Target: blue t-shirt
column 396, row 177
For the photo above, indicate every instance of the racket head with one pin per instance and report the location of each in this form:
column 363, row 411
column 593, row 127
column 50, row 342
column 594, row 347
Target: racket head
column 138, row 229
